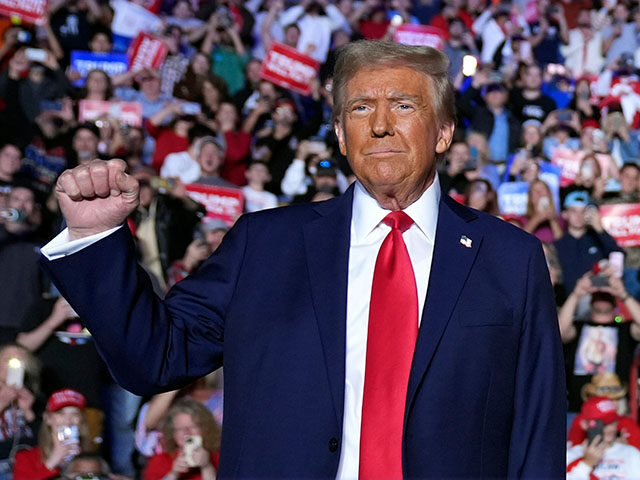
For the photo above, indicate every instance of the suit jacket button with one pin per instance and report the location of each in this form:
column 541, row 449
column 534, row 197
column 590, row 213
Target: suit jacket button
column 333, row 444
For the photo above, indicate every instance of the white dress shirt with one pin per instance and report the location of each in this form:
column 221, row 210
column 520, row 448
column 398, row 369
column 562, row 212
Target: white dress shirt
column 367, row 233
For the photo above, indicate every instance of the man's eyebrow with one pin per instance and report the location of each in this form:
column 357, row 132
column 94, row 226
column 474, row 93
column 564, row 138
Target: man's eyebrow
column 392, row 96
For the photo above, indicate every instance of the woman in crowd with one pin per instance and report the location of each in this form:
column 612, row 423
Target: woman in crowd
column 190, row 85
column 542, row 219
column 97, row 86
column 63, row 435
column 192, row 442
column 481, row 196
column 17, row 404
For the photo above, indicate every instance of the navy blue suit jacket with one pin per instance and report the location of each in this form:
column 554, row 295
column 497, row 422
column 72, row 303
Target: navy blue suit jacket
column 486, row 396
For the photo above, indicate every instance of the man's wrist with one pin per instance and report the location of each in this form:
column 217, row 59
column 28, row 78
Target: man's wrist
column 625, row 297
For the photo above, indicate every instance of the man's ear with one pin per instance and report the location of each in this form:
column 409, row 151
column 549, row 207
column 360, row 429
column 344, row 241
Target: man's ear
column 445, row 137
column 339, row 129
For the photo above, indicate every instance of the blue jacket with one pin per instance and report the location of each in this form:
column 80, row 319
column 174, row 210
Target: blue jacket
column 486, row 396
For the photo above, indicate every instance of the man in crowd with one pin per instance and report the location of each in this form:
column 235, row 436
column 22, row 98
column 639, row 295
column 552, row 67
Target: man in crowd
column 585, row 241
column 312, row 348
column 529, row 103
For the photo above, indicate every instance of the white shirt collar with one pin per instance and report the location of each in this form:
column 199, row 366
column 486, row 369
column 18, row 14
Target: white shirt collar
column 367, row 212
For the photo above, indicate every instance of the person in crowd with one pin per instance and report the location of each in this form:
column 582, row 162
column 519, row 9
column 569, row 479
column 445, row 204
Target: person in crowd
column 629, row 186
column 323, row 183
column 481, row 196
column 210, row 159
column 595, row 341
column 89, row 465
column 170, row 137
column 10, row 164
column 560, row 131
column 528, row 102
column 84, row 143
column 214, row 93
column 207, row 238
column 584, row 51
column 149, row 93
column 192, row 441
column 190, row 85
column 604, row 455
column 584, row 103
column 585, row 241
column 548, row 32
column 452, row 10
column 63, row 435
column 238, row 144
column 164, row 222
column 459, row 44
column 607, row 385
column 621, row 37
column 256, row 198
column 484, row 104
column 590, row 179
column 524, row 165
column 22, row 281
column 370, row 19
column 97, row 86
column 19, row 407
column 184, row 165
column 542, row 218
column 459, row 168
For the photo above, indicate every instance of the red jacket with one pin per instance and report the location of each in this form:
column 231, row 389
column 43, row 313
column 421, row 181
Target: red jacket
column 166, row 142
column 160, row 464
column 29, row 466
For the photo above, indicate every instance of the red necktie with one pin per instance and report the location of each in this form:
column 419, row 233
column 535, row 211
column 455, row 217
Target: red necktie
column 393, row 329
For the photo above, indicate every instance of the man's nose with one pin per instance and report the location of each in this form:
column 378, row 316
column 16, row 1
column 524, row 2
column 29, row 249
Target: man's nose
column 382, row 121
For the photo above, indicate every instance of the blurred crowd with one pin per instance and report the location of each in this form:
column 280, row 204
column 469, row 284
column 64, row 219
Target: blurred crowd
column 548, row 107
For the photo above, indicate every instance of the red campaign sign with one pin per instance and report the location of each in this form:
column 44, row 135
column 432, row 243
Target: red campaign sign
column 220, row 202
column 147, row 51
column 422, row 35
column 29, row 11
column 622, row 222
column 569, row 160
column 290, row 69
column 129, row 113
column 151, row 5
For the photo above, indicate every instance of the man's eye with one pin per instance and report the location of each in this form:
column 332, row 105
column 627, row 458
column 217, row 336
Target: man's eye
column 359, row 108
column 405, row 106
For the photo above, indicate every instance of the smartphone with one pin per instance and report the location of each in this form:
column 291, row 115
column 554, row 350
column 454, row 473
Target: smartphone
column 316, row 146
column 68, row 434
column 563, row 116
column 191, row 444
column 24, row 36
column 594, row 428
column 162, row 184
column 15, row 373
column 397, row 20
column 616, row 261
column 600, row 280
column 191, row 108
column 544, row 203
column 35, row 54
column 469, row 65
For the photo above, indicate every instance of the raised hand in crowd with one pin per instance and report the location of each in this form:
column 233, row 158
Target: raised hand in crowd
column 60, row 452
column 96, row 197
column 594, row 450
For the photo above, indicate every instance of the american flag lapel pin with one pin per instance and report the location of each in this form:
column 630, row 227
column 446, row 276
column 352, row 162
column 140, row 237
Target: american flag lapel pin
column 466, row 241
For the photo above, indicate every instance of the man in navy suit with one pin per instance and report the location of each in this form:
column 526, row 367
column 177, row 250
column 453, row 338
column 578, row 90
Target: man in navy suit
column 285, row 302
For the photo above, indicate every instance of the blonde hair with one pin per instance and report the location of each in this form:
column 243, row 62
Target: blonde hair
column 45, row 436
column 367, row 54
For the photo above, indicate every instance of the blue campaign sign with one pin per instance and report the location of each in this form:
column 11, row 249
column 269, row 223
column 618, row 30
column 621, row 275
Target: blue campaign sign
column 112, row 63
column 512, row 198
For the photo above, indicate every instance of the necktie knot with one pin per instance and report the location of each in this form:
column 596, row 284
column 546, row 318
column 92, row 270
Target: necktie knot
column 399, row 220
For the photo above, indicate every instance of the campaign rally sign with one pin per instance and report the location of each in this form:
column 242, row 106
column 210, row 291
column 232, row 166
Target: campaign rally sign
column 290, row 69
column 569, row 161
column 147, row 51
column 622, row 222
column 422, row 35
column 220, row 202
column 512, row 198
column 111, row 63
column 129, row 113
column 28, row 11
column 129, row 20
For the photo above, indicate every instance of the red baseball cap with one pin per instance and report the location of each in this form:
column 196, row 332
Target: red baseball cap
column 600, row 408
column 65, row 398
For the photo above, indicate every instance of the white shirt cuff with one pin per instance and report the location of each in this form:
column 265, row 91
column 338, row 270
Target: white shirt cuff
column 61, row 246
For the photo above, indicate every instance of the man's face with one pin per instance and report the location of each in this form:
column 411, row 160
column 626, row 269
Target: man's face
column 629, row 177
column 496, row 98
column 22, row 199
column 85, row 143
column 100, row 43
column 533, row 78
column 575, row 217
column 209, row 159
column 602, row 312
column 10, row 160
column 150, row 85
column 389, row 133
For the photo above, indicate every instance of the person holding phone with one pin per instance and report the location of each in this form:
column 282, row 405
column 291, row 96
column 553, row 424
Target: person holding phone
column 191, row 442
column 602, row 454
column 63, row 435
column 542, row 219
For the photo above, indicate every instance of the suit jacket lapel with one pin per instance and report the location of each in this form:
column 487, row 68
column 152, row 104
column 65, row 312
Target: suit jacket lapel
column 327, row 251
column 456, row 245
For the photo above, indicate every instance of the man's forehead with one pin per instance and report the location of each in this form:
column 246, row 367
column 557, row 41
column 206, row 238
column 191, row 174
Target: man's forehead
column 387, row 82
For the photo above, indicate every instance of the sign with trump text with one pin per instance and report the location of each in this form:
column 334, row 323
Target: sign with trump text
column 622, row 222
column 147, row 51
column 220, row 202
column 28, row 11
column 129, row 113
column 290, row 69
column 419, row 35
